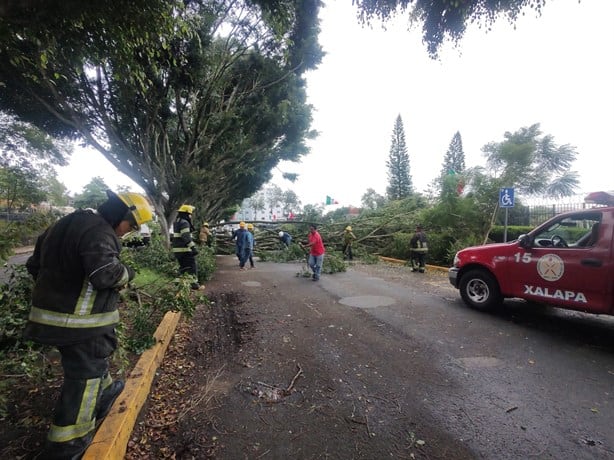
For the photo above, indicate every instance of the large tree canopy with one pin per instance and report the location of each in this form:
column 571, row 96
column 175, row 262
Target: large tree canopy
column 444, row 19
column 532, row 162
column 196, row 101
column 27, row 155
column 28, row 147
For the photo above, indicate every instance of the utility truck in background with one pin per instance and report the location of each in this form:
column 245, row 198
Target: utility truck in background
column 567, row 262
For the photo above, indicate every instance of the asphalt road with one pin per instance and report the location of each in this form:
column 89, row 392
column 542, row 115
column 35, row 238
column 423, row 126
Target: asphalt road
column 524, row 382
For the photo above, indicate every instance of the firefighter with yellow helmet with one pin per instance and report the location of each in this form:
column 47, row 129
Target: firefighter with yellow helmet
column 184, row 247
column 78, row 274
column 348, row 239
column 205, row 236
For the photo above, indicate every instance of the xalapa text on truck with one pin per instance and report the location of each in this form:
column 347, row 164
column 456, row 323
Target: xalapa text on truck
column 567, row 262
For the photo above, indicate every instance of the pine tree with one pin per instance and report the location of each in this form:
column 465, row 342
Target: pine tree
column 451, row 177
column 399, row 179
column 454, row 161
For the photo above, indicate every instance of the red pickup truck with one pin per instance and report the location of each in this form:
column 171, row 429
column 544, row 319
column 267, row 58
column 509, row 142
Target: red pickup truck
column 568, row 262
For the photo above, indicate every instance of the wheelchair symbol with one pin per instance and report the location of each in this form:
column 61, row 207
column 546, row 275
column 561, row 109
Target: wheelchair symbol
column 506, row 197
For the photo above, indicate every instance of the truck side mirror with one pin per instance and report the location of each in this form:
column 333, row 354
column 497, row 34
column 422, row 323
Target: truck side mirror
column 525, row 241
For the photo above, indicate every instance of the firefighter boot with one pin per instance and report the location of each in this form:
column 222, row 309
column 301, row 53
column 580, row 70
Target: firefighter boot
column 69, row 450
column 108, row 397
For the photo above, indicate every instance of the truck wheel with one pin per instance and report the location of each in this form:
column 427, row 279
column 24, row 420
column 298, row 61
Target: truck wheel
column 480, row 290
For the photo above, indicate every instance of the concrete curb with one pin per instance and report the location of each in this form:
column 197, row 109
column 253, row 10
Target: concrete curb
column 404, row 262
column 111, row 440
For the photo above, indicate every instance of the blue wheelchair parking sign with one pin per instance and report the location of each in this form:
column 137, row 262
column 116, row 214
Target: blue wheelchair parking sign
column 506, row 197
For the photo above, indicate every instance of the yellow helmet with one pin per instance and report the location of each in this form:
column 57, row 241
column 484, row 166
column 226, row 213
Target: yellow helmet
column 206, row 224
column 138, row 206
column 242, row 224
column 186, row 208
column 250, row 226
column 348, row 228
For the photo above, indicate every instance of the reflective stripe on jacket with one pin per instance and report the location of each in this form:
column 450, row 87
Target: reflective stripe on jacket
column 52, row 318
column 182, row 236
column 418, row 242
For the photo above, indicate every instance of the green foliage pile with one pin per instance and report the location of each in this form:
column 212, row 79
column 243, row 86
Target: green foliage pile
column 384, row 231
column 452, row 222
column 18, row 358
column 146, row 305
column 333, row 263
column 14, row 306
column 333, row 260
column 155, row 256
column 294, row 253
column 8, row 239
column 398, row 247
column 158, row 257
column 147, row 302
column 206, row 263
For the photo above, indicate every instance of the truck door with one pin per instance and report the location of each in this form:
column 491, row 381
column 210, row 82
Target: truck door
column 569, row 263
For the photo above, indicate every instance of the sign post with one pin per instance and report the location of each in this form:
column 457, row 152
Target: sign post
column 506, row 200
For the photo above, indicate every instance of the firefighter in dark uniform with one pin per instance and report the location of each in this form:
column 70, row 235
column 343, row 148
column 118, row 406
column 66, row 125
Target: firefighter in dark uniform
column 78, row 275
column 184, row 247
column 418, row 248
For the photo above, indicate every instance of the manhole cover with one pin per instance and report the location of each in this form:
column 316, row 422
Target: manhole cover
column 367, row 301
column 250, row 283
column 476, row 362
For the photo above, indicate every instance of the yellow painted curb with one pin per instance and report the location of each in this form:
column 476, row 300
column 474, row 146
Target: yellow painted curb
column 112, row 437
column 404, row 262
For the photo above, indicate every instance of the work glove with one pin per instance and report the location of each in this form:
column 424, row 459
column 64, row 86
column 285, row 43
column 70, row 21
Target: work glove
column 131, row 273
column 194, row 250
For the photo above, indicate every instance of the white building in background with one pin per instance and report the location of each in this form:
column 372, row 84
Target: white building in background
column 268, row 214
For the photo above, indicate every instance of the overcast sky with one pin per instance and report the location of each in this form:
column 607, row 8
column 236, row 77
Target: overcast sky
column 556, row 70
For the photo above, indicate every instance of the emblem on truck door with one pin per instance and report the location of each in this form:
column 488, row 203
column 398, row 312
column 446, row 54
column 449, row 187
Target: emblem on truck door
column 550, row 267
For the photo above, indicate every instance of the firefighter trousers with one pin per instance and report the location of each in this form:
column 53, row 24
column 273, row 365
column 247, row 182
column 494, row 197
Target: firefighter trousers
column 418, row 261
column 347, row 251
column 86, row 377
column 187, row 263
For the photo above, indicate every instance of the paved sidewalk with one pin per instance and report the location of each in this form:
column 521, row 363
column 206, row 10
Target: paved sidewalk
column 23, row 250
